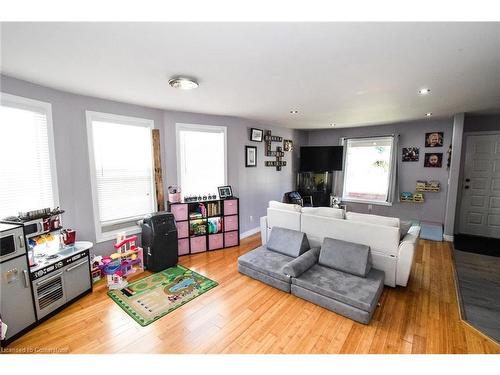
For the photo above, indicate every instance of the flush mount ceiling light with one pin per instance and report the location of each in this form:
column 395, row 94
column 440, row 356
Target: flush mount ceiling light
column 424, row 91
column 294, row 111
column 183, row 83
column 428, row 114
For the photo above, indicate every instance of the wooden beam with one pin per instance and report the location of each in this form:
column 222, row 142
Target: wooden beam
column 160, row 196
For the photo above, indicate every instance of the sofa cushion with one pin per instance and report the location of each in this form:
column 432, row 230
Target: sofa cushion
column 405, row 226
column 302, row 263
column 266, row 262
column 373, row 219
column 359, row 292
column 345, row 256
column 287, row 241
column 336, row 213
column 285, row 206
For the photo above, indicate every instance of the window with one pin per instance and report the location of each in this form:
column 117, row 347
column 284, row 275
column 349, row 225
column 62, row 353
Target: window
column 367, row 169
column 201, row 158
column 121, row 164
column 28, row 178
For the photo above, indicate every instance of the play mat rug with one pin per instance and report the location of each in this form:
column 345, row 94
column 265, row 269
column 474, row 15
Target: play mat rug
column 152, row 297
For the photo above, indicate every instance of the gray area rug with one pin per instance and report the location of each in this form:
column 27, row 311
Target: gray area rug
column 479, row 288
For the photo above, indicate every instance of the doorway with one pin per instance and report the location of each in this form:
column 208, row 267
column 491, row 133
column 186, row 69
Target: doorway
column 480, row 195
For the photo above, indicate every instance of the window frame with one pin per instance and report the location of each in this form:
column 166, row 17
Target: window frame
column 198, row 127
column 102, row 236
column 391, row 171
column 27, row 104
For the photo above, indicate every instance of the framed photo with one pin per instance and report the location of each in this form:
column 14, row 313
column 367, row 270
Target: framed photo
column 250, row 156
column 288, row 145
column 225, row 192
column 411, row 153
column 433, row 160
column 434, row 139
column 256, row 135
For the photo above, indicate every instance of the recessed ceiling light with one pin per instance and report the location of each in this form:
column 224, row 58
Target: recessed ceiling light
column 183, row 83
column 294, row 111
column 332, row 125
column 428, row 114
column 424, row 91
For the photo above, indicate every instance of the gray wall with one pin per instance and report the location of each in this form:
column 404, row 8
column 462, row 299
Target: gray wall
column 411, row 134
column 254, row 186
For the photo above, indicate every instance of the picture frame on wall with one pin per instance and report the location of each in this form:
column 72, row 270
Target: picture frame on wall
column 434, row 139
column 225, row 192
column 433, row 160
column 256, row 135
column 287, row 145
column 410, row 154
column 250, row 156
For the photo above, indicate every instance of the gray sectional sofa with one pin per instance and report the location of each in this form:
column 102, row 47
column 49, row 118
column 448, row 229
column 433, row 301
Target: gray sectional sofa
column 338, row 276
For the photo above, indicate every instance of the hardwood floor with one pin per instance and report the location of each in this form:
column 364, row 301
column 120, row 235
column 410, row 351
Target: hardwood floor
column 243, row 315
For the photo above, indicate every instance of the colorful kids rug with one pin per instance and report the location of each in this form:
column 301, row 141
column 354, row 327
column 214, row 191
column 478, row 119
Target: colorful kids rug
column 152, row 297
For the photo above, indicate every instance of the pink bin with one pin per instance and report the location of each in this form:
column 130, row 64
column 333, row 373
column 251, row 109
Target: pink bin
column 180, row 211
column 215, row 241
column 182, row 229
column 230, row 223
column 183, row 248
column 198, row 244
column 231, row 239
column 230, row 207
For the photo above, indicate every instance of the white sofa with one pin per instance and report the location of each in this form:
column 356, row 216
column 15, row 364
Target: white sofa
column 390, row 253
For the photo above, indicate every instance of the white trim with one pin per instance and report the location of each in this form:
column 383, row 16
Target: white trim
column 45, row 108
column 198, row 127
column 118, row 119
column 378, row 203
column 250, row 232
column 448, row 238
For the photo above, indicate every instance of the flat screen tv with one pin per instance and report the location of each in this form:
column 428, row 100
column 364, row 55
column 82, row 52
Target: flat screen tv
column 321, row 158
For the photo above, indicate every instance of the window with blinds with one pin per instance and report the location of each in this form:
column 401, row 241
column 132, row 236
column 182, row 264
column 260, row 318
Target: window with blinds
column 201, row 158
column 27, row 168
column 367, row 171
column 122, row 166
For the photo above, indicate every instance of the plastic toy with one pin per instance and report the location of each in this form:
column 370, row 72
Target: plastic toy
column 127, row 260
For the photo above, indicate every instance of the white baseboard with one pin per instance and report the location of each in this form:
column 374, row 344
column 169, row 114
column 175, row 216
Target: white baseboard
column 248, row 233
column 448, row 238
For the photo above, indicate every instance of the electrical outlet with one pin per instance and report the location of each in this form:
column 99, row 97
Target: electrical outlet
column 251, row 218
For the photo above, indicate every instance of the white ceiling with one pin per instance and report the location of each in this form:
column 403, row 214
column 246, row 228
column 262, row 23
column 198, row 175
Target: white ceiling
column 349, row 73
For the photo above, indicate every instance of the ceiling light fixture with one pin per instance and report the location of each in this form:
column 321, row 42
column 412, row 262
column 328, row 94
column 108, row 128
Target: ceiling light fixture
column 183, row 83
column 332, row 125
column 294, row 111
column 424, row 91
column 428, row 114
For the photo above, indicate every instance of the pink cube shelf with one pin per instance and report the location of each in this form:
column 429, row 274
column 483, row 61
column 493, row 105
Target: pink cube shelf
column 198, row 244
column 230, row 223
column 180, row 211
column 183, row 246
column 231, row 239
column 230, row 207
column 215, row 241
column 182, row 229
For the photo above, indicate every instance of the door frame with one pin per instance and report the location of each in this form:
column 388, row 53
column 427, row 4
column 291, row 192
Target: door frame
column 466, row 134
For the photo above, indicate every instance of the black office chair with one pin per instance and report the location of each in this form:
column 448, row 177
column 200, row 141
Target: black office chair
column 295, row 198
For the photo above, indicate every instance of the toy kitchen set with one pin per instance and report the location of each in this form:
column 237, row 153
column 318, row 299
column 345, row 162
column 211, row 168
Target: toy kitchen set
column 42, row 270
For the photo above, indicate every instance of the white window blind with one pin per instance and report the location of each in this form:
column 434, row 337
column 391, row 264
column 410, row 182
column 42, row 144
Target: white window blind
column 122, row 167
column 201, row 158
column 27, row 173
column 367, row 172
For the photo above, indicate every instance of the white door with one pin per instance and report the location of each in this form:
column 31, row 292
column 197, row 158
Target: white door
column 480, row 204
